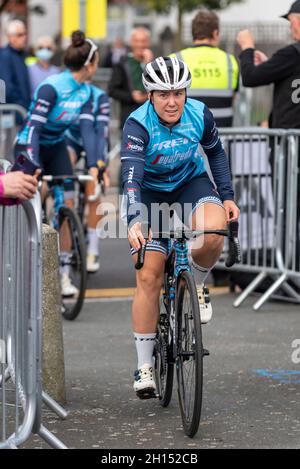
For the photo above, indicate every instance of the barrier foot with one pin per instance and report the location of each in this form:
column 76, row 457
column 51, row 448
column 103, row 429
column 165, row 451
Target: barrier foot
column 251, row 287
column 291, row 292
column 51, row 439
column 270, row 292
column 54, row 406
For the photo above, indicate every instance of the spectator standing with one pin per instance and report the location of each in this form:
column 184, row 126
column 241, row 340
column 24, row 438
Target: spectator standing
column 126, row 83
column 215, row 73
column 42, row 69
column 282, row 69
column 114, row 56
column 13, row 68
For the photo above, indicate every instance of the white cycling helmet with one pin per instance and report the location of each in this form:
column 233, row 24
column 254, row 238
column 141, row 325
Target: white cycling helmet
column 166, row 74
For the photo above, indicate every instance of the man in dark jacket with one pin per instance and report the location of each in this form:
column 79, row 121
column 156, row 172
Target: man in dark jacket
column 13, row 69
column 282, row 69
column 126, row 82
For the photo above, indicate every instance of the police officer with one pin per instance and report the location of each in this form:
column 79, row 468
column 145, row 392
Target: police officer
column 215, row 73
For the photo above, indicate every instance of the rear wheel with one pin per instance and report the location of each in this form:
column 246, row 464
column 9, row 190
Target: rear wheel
column 164, row 369
column 72, row 306
column 189, row 362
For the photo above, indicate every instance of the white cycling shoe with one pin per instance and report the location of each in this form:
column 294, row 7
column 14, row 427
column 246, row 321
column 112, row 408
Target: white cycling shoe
column 204, row 304
column 67, row 288
column 92, row 263
column 144, row 384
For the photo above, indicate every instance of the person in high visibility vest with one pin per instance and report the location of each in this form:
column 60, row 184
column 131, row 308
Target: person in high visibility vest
column 215, row 73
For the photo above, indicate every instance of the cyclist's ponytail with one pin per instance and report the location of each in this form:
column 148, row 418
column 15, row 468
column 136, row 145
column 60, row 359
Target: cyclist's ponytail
column 81, row 52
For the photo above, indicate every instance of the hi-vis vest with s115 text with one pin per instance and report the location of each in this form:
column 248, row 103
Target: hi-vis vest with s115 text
column 215, row 78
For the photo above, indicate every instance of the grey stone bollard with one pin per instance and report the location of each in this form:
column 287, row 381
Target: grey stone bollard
column 53, row 348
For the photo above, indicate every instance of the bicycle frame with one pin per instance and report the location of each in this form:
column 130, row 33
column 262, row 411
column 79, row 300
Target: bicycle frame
column 58, row 192
column 178, row 261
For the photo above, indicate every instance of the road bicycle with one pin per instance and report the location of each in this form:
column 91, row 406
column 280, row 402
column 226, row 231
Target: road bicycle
column 58, row 214
column 178, row 341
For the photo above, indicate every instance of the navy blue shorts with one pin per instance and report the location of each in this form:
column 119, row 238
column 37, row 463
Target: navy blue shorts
column 55, row 161
column 184, row 201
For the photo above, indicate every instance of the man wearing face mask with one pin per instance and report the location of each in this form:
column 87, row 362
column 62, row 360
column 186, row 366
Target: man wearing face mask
column 43, row 68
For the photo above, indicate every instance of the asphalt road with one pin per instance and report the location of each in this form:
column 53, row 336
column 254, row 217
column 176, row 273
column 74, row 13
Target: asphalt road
column 117, row 270
column 251, row 385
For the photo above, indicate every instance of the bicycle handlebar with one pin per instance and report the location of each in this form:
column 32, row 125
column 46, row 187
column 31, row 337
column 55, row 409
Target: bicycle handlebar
column 141, row 257
column 234, row 251
column 61, row 179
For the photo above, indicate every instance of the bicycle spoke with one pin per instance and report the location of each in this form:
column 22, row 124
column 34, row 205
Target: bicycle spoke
column 189, row 361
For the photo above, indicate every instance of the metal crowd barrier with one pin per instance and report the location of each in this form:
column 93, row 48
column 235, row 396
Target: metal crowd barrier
column 9, row 128
column 21, row 393
column 265, row 170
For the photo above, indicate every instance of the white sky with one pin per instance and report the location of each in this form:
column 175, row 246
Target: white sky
column 256, row 10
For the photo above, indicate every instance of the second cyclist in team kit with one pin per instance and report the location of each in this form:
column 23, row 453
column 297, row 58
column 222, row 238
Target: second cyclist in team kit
column 162, row 164
column 59, row 102
column 75, row 145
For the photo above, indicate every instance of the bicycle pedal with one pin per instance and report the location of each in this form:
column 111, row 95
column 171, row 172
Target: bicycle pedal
column 206, row 353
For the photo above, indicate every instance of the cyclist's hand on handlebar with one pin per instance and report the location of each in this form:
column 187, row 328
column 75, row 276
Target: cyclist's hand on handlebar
column 106, row 179
column 135, row 236
column 94, row 173
column 231, row 209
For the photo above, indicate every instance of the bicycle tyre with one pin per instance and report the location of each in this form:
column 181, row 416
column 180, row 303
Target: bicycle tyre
column 189, row 348
column 70, row 310
column 164, row 369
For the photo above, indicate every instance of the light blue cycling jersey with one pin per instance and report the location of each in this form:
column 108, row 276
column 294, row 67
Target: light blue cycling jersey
column 58, row 102
column 100, row 110
column 158, row 158
column 171, row 156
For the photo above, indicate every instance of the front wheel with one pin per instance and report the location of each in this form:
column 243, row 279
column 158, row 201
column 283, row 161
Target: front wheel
column 71, row 307
column 189, row 362
column 164, row 369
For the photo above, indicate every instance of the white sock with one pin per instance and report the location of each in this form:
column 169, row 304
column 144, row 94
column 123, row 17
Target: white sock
column 93, row 242
column 144, row 346
column 200, row 273
column 64, row 269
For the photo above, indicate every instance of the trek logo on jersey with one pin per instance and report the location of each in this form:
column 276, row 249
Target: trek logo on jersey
column 170, row 143
column 130, row 176
column 72, row 104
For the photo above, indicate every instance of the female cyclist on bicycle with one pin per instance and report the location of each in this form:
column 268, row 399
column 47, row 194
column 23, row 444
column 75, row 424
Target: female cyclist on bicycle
column 75, row 147
column 59, row 102
column 162, row 164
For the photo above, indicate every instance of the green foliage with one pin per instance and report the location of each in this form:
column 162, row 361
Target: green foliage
column 163, row 6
